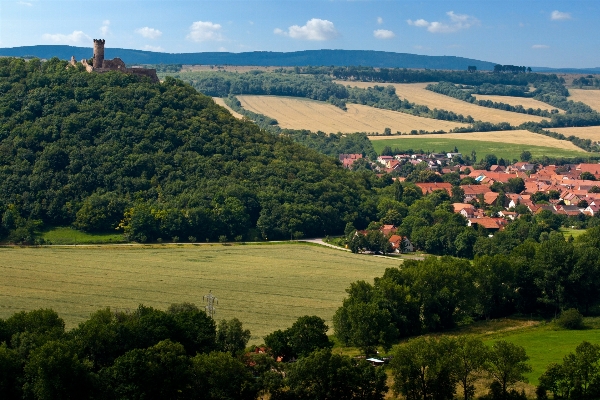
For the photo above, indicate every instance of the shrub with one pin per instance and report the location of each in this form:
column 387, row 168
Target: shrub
column 570, row 319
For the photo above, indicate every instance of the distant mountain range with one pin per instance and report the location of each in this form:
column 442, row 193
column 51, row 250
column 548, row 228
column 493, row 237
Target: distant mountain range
column 368, row 58
column 259, row 58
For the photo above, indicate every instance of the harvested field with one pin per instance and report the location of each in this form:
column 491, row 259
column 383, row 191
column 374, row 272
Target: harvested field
column 220, row 102
column 518, row 101
column 584, row 132
column 416, row 93
column 228, row 68
column 589, row 97
column 267, row 287
column 297, row 113
column 508, row 137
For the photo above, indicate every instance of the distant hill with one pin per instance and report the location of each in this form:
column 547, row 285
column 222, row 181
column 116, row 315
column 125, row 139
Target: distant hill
column 595, row 70
column 367, row 58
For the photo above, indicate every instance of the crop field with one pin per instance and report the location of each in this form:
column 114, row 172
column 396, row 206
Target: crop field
column 584, row 132
column 416, row 93
column 518, row 101
column 589, row 97
column 297, row 113
column 220, row 102
column 506, row 144
column 267, row 287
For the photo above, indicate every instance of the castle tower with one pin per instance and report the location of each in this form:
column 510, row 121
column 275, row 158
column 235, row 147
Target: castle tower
column 98, row 53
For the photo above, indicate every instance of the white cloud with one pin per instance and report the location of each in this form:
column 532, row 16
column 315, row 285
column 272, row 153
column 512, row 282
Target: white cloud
column 559, row 16
column 383, row 34
column 540, row 46
column 202, row 31
column 149, row 33
column 315, row 29
column 73, row 38
column 457, row 22
column 222, row 49
column 25, row 3
column 104, row 28
column 153, row 48
column 379, row 20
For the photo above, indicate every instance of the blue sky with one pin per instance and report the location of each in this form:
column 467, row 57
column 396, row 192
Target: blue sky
column 523, row 32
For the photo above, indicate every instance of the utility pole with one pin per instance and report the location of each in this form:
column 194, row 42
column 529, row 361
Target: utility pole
column 210, row 300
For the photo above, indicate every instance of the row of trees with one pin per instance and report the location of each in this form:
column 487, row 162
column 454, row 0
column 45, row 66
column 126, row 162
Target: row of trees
column 437, row 294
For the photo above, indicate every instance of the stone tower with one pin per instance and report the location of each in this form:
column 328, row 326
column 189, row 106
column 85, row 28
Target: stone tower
column 98, row 53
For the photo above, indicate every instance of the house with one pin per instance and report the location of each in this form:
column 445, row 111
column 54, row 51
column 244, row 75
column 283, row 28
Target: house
column 387, row 229
column 385, row 160
column 348, row 159
column 452, row 155
column 486, row 222
column 497, row 168
column 427, row 188
column 508, row 215
column 458, row 207
column 592, row 210
column 401, row 244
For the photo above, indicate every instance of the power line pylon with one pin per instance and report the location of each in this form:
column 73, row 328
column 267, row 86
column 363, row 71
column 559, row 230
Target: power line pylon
column 210, row 300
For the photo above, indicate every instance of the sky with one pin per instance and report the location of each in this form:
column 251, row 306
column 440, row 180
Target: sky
column 544, row 33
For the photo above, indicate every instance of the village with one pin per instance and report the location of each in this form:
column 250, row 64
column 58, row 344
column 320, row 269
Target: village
column 570, row 190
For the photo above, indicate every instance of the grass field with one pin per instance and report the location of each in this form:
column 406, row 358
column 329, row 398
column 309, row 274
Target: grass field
column 220, row 102
column 508, row 144
column 518, row 101
column 572, row 232
column 267, row 287
column 589, row 97
column 297, row 113
column 416, row 93
column 586, row 132
column 65, row 235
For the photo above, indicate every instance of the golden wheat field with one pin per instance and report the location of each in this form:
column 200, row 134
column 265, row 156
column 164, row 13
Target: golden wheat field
column 267, row 287
column 589, row 97
column 416, row 93
column 220, row 102
column 518, row 101
column 586, row 132
column 298, row 113
column 515, row 137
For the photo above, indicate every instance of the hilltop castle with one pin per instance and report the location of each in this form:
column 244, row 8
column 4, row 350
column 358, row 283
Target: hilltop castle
column 100, row 65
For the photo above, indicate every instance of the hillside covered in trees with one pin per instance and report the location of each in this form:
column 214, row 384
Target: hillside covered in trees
column 98, row 151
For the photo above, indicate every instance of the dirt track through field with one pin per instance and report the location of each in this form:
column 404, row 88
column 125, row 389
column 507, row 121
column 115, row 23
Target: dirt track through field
column 416, row 93
column 516, row 137
column 297, row 113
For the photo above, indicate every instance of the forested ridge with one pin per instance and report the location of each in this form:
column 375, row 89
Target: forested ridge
column 160, row 160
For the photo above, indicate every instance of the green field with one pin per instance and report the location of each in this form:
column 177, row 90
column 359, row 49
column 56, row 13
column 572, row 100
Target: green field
column 267, row 287
column 545, row 344
column 572, row 232
column 508, row 151
column 65, row 235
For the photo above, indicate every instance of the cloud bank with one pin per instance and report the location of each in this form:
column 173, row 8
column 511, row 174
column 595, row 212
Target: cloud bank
column 559, row 16
column 203, row 31
column 457, row 22
column 315, row 29
column 72, row 38
column 383, row 34
column 149, row 33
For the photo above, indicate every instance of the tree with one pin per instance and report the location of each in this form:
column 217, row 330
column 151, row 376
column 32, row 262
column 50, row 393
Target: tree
column 424, row 368
column 219, row 376
column 526, row 156
column 588, row 176
column 232, row 337
column 506, row 364
column 307, row 334
column 54, row 371
column 326, row 376
column 11, row 369
column 458, row 194
column 471, row 355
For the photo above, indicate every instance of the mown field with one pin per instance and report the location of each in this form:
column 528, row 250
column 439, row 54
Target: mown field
column 220, row 102
column 267, row 287
column 416, row 93
column 589, row 97
column 518, row 101
column 507, row 144
column 297, row 113
column 584, row 132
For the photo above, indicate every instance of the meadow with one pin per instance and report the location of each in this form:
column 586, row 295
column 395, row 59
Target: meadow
column 416, row 93
column 298, row 113
column 267, row 287
column 506, row 144
column 589, row 97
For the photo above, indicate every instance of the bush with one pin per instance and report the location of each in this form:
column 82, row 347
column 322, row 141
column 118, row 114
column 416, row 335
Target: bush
column 570, row 319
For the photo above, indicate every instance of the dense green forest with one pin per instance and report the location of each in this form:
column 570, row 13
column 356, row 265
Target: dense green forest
column 100, row 151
